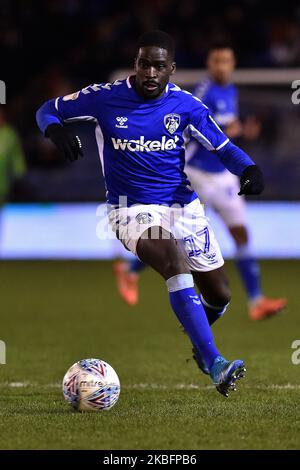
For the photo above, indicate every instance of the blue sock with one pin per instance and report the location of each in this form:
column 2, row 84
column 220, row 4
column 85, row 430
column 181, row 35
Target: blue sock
column 213, row 313
column 189, row 311
column 135, row 266
column 249, row 272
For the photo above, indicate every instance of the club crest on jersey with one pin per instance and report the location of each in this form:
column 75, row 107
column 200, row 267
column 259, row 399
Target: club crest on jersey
column 171, row 122
column 121, row 122
column 144, row 218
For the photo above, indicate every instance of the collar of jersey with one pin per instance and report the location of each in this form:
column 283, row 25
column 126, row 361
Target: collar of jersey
column 155, row 100
column 223, row 87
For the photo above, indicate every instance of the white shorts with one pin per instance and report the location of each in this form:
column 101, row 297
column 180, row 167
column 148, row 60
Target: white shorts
column 219, row 191
column 187, row 224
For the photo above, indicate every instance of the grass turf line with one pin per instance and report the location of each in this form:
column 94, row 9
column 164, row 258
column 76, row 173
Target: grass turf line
column 54, row 313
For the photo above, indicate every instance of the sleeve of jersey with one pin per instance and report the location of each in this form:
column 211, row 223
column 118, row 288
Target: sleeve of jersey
column 234, row 158
column 206, row 131
column 236, row 103
column 63, row 109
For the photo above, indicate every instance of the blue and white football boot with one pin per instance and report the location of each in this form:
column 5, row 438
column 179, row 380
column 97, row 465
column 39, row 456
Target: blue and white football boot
column 224, row 374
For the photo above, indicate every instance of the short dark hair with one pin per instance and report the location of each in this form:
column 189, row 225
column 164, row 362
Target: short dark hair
column 220, row 45
column 159, row 39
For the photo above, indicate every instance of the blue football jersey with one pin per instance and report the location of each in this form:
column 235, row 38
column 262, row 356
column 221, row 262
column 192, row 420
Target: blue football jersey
column 141, row 142
column 222, row 101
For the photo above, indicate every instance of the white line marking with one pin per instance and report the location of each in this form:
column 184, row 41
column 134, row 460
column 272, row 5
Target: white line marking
column 153, row 386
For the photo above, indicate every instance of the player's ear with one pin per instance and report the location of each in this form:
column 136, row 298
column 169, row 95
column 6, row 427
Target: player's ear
column 173, row 68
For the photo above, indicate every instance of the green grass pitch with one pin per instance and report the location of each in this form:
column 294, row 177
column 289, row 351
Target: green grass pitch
column 55, row 313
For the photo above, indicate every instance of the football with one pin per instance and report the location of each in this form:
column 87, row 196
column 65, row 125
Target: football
column 91, row 385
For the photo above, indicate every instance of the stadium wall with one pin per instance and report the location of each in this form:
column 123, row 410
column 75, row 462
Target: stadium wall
column 80, row 231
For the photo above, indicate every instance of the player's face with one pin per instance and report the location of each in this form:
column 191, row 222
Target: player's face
column 220, row 64
column 153, row 68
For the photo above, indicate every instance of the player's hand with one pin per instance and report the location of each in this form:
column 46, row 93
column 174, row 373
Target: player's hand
column 252, row 181
column 68, row 145
column 251, row 128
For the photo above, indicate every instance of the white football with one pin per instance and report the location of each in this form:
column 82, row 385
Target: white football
column 91, row 385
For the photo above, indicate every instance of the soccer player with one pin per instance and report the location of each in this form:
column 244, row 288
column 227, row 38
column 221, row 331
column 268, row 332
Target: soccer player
column 142, row 126
column 216, row 186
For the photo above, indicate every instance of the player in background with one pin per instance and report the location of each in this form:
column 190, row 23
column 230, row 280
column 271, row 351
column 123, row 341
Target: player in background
column 142, row 124
column 216, row 186
column 12, row 159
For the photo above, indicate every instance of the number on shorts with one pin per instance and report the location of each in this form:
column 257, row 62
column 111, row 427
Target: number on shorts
column 190, row 240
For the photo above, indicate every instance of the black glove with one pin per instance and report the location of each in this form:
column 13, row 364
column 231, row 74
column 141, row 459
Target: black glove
column 68, row 145
column 252, row 181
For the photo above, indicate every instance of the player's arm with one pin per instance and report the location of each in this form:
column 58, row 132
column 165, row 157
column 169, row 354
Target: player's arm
column 234, row 129
column 204, row 129
column 249, row 129
column 53, row 114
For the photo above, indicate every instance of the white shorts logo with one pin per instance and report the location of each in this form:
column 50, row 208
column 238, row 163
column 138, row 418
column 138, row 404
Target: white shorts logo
column 171, row 122
column 144, row 218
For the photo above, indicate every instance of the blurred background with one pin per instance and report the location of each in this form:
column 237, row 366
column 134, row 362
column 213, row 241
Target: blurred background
column 54, row 47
